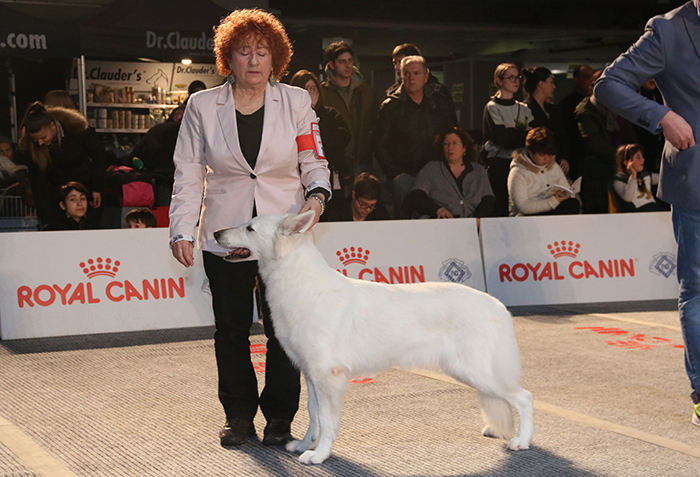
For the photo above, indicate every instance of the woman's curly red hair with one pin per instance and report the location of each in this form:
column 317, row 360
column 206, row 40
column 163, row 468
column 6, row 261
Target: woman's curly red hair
column 239, row 26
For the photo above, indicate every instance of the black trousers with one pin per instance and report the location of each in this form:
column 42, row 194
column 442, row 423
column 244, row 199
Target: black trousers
column 232, row 287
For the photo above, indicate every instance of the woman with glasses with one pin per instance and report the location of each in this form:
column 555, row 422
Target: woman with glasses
column 506, row 122
column 363, row 203
column 539, row 86
column 454, row 186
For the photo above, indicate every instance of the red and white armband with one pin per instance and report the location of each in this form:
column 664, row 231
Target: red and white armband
column 312, row 141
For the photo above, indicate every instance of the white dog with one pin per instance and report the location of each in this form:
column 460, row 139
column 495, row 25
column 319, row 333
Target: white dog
column 335, row 328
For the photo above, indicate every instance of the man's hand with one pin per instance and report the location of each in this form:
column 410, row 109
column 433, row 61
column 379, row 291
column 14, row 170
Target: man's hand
column 677, row 131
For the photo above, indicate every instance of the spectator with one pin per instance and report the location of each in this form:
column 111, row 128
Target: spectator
column 363, row 204
column 245, row 148
column 582, row 89
column 602, row 132
column 455, row 186
column 57, row 146
column 409, row 120
column 60, row 98
column 72, row 199
column 536, row 183
column 10, row 172
column 539, row 85
column 179, row 112
column 506, row 122
column 141, row 218
column 346, row 90
column 401, row 52
column 335, row 134
column 632, row 183
column 667, row 52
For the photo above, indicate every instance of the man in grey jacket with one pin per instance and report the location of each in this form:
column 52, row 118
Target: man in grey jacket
column 669, row 52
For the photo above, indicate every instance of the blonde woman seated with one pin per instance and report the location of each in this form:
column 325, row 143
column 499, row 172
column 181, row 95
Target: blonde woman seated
column 536, row 183
column 632, row 183
column 454, row 186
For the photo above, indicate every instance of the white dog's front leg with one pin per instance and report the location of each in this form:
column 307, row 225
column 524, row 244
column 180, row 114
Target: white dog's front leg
column 330, row 390
column 312, row 433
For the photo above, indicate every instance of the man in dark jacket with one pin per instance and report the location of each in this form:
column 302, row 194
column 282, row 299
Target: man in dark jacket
column 409, row 120
column 345, row 90
column 433, row 84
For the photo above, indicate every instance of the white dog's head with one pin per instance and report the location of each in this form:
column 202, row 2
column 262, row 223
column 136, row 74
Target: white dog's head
column 266, row 237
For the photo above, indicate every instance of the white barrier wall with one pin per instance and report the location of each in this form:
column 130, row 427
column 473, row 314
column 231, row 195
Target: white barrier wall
column 96, row 281
column 404, row 251
column 580, row 259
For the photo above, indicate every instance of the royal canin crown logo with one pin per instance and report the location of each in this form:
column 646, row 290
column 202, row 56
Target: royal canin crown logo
column 564, row 249
column 353, row 255
column 98, row 267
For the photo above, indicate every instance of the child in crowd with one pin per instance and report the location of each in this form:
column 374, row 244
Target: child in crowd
column 536, row 183
column 72, row 199
column 141, row 218
column 632, row 183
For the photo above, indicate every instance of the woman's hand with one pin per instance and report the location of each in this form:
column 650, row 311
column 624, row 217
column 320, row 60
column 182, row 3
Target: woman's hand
column 631, row 170
column 564, row 164
column 96, row 199
column 561, row 196
column 183, row 251
column 312, row 204
column 443, row 213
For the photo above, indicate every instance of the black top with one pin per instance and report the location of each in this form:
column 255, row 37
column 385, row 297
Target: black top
column 250, row 129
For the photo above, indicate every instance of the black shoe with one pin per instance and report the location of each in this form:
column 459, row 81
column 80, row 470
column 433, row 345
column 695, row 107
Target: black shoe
column 277, row 432
column 236, row 432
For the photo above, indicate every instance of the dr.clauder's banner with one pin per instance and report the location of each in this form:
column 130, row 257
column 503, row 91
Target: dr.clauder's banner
column 404, row 251
column 580, row 259
column 97, row 281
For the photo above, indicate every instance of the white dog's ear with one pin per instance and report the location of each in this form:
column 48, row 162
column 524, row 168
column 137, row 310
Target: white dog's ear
column 297, row 224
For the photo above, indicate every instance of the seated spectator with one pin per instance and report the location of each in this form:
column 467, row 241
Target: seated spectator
column 141, row 218
column 73, row 202
column 454, row 186
column 536, row 183
column 10, row 172
column 363, row 203
column 632, row 183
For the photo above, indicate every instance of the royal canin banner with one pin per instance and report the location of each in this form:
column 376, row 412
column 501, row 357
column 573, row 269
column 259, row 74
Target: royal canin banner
column 404, row 251
column 97, row 281
column 580, row 259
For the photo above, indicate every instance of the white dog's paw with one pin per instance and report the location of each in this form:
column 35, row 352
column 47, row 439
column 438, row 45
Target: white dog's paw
column 297, row 445
column 488, row 432
column 312, row 457
column 518, row 443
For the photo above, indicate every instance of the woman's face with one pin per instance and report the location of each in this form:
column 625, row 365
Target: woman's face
column 362, row 207
column 75, row 205
column 251, row 63
column 453, row 148
column 310, row 86
column 636, row 162
column 45, row 135
column 510, row 82
column 6, row 150
column 547, row 87
column 540, row 158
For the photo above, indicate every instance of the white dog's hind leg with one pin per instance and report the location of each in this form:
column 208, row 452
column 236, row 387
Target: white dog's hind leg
column 497, row 415
column 330, row 390
column 522, row 401
column 312, row 433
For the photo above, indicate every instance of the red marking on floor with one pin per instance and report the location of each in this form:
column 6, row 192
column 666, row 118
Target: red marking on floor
column 361, row 380
column 259, row 367
column 638, row 341
column 258, row 349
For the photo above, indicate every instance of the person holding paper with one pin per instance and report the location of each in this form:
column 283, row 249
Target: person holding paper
column 536, row 183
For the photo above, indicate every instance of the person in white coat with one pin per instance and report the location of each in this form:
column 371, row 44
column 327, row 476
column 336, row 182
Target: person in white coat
column 536, row 183
column 249, row 147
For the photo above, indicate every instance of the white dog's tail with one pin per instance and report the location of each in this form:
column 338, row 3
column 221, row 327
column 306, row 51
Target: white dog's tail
column 497, row 415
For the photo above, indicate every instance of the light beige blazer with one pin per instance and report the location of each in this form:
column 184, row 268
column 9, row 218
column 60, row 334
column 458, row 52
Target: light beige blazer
column 215, row 186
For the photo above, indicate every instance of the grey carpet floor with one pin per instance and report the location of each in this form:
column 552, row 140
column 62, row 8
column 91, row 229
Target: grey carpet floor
column 144, row 404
